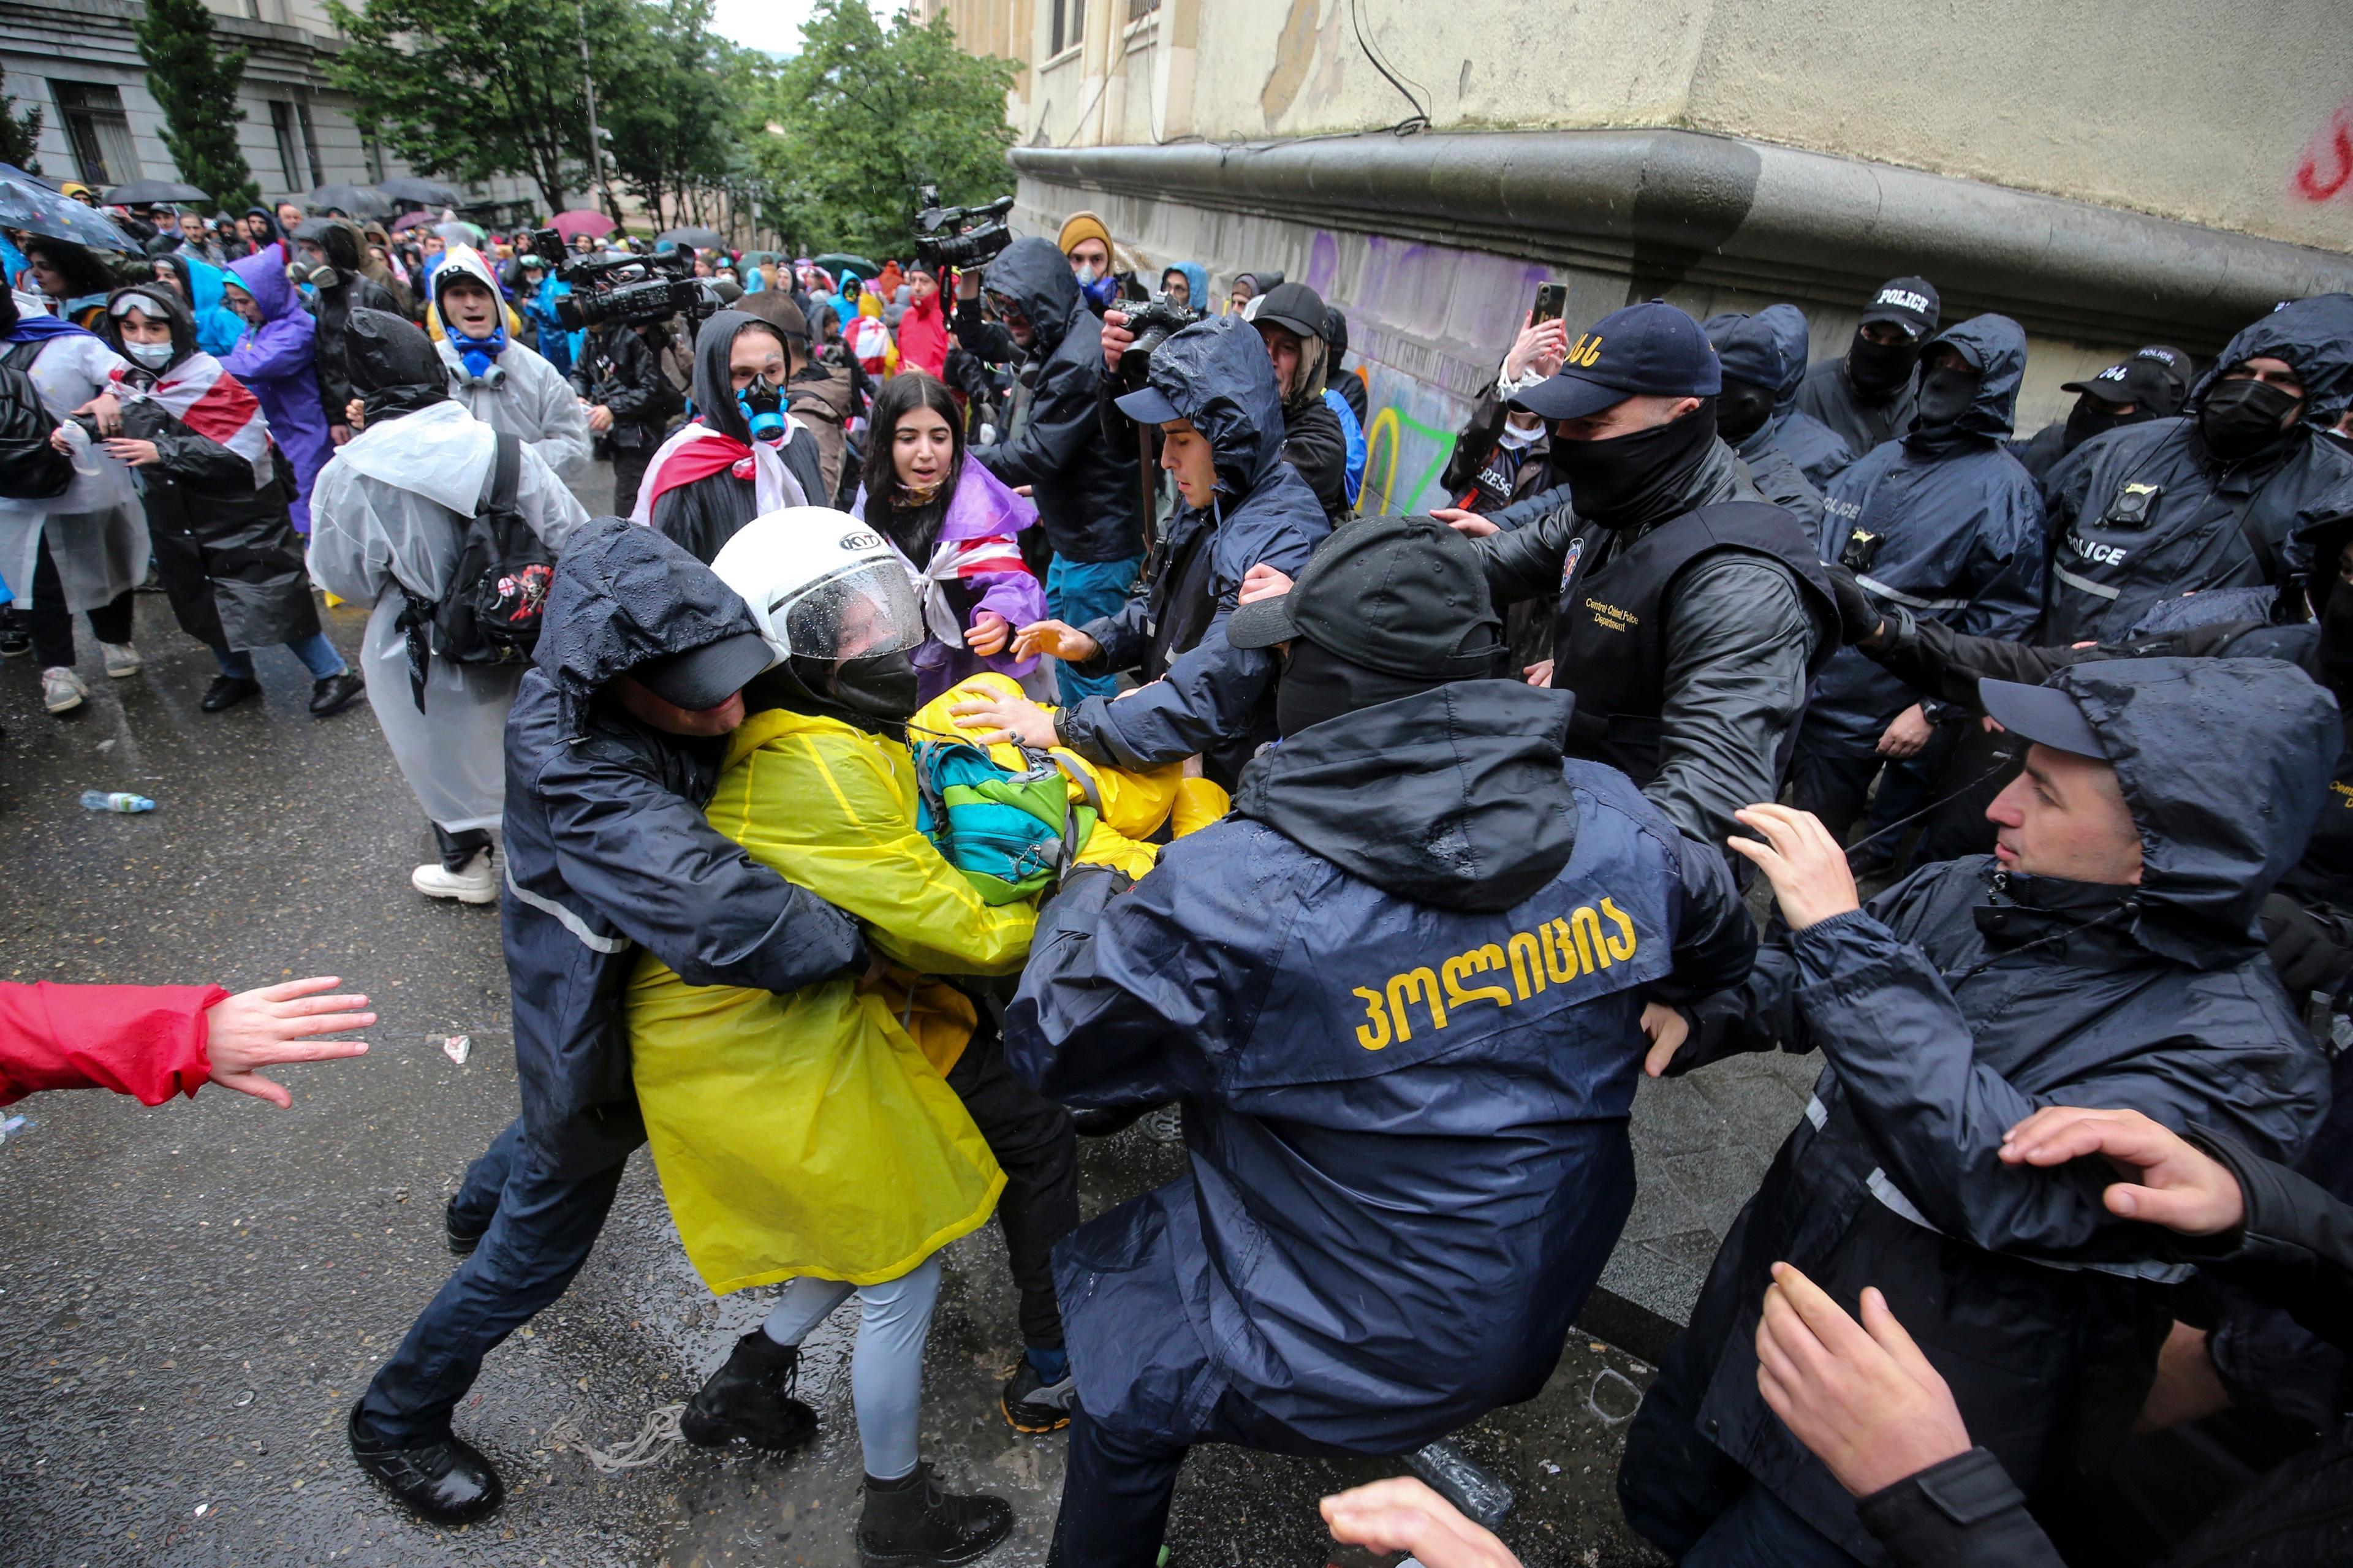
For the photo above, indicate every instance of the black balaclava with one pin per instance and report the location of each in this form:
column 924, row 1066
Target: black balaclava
column 1318, row 684
column 876, row 693
column 2088, row 419
column 1742, row 408
column 394, row 366
column 1628, row 481
column 1879, row 371
column 2240, row 419
column 1947, row 394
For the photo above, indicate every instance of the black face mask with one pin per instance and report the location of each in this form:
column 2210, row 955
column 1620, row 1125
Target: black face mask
column 1879, row 370
column 880, row 684
column 1627, row 481
column 1946, row 394
column 1741, row 409
column 2242, row 417
column 2088, row 419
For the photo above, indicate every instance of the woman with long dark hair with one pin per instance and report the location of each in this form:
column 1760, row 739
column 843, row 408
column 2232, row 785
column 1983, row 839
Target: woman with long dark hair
column 955, row 523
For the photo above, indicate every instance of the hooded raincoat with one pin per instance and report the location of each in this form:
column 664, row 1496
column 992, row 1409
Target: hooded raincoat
column 1814, row 447
column 2211, row 524
column 609, row 856
column 1952, row 527
column 1085, row 486
column 1197, row 281
column 813, row 1133
column 1953, row 1004
column 923, row 336
column 711, row 479
column 975, row 565
column 518, row 393
column 223, row 545
column 96, row 529
column 392, row 511
column 276, row 364
column 1751, row 351
column 1204, row 695
column 1397, row 994
column 218, row 329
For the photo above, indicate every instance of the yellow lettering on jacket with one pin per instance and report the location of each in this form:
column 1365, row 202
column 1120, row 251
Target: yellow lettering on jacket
column 1610, row 618
column 1556, row 952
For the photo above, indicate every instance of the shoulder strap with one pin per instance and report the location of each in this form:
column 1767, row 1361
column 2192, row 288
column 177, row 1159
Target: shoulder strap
column 501, row 484
column 20, row 356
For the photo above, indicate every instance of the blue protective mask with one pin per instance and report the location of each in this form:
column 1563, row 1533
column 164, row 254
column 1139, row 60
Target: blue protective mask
column 762, row 405
column 479, row 355
column 1099, row 291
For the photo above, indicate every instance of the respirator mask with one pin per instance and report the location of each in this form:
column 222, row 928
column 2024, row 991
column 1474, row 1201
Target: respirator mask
column 761, row 403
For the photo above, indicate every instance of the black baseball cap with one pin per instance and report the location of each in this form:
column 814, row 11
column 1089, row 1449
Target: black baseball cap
column 1404, row 596
column 705, row 676
column 1648, row 350
column 1293, row 307
column 2043, row 714
column 2155, row 380
column 1911, row 303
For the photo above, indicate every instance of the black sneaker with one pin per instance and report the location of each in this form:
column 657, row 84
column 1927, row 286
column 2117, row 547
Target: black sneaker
column 15, row 643
column 335, row 693
column 749, row 1400
column 447, row 1481
column 1032, row 1404
column 462, row 1238
column 227, row 691
column 1101, row 1121
column 911, row 1523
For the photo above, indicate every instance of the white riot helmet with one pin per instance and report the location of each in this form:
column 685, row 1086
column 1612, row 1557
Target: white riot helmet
column 822, row 585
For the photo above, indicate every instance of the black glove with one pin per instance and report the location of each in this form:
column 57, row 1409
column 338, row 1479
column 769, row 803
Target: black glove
column 2312, row 952
column 1859, row 616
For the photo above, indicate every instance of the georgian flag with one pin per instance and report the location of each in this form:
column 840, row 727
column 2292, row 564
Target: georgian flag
column 210, row 402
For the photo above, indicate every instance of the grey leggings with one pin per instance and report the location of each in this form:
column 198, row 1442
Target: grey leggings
column 886, row 1371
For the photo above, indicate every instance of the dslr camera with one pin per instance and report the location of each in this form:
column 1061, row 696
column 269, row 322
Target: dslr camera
column 634, row 290
column 1153, row 323
column 959, row 236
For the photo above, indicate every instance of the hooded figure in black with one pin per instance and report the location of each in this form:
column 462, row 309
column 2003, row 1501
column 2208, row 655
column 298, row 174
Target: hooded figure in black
column 1202, row 695
column 1085, row 487
column 2151, row 384
column 225, row 547
column 341, row 289
column 1865, row 395
column 717, row 474
column 1758, row 402
column 1313, row 440
column 1689, row 612
column 1950, row 1008
column 610, row 856
column 2209, row 500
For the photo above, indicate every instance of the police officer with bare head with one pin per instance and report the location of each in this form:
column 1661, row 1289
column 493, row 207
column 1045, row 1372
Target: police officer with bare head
column 1690, row 611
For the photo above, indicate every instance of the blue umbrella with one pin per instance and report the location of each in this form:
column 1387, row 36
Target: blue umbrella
column 29, row 204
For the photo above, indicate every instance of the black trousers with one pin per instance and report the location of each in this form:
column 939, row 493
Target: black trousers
column 456, row 849
column 50, row 623
column 629, row 472
column 1038, row 1149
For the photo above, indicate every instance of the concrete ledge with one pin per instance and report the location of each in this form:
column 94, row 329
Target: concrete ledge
column 1668, row 207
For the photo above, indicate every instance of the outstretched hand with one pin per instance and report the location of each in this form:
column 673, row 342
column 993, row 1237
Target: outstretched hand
column 1055, row 639
column 1804, row 863
column 1402, row 1515
column 2173, row 1181
column 276, row 1025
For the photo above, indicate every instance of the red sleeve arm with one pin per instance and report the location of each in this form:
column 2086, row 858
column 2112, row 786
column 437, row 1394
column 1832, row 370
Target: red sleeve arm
column 143, row 1040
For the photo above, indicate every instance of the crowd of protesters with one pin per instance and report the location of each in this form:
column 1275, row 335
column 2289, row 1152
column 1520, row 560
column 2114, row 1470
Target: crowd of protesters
column 974, row 724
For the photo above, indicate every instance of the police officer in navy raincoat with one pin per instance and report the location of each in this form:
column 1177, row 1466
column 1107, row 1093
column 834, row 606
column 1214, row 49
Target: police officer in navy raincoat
column 1397, row 991
column 1758, row 405
column 1946, row 522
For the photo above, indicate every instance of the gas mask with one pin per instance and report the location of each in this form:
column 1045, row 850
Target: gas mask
column 313, row 274
column 761, row 403
column 2240, row 418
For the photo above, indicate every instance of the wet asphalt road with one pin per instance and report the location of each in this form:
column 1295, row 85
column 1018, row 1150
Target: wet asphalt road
column 191, row 1296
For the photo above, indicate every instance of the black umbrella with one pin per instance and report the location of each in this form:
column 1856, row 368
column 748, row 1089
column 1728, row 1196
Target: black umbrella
column 700, row 238
column 838, row 262
column 427, row 193
column 359, row 201
column 29, row 204
column 144, row 193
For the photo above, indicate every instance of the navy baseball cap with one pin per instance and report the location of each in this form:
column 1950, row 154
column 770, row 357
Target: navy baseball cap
column 1148, row 405
column 1652, row 350
column 2043, row 714
column 1911, row 303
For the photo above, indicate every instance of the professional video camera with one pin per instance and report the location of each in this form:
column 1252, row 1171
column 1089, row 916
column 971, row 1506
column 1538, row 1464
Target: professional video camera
column 959, row 236
column 1153, row 323
column 632, row 288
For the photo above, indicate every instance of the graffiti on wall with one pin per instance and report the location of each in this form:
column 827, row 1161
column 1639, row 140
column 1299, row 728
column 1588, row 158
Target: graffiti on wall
column 2325, row 170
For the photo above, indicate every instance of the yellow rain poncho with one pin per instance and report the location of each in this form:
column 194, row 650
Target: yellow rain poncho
column 815, row 1134
column 1133, row 804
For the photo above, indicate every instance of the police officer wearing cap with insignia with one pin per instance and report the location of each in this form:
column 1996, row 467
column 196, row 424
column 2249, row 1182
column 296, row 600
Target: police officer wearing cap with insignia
column 1691, row 611
column 1869, row 393
column 2151, row 384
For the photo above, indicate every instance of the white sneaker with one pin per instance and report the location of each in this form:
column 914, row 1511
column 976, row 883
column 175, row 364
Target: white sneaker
column 61, row 690
column 474, row 885
column 121, row 659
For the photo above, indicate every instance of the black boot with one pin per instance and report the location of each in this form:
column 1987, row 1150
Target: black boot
column 447, row 1481
column 750, row 1400
column 910, row 1522
column 463, row 1236
column 335, row 693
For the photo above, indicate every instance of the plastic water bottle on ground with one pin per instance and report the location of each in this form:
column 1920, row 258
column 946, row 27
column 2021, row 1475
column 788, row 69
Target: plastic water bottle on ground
column 118, row 800
column 15, row 1126
column 1450, row 1473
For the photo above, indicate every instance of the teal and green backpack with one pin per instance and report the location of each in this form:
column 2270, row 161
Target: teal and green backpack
column 1012, row 834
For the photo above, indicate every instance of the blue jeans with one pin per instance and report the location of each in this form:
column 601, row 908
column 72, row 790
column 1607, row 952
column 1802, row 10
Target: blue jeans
column 317, row 654
column 542, row 1228
column 1082, row 590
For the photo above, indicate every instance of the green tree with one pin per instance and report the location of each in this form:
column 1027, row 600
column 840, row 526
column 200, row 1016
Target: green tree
column 668, row 114
column 20, row 134
column 863, row 112
column 196, row 82
column 477, row 89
